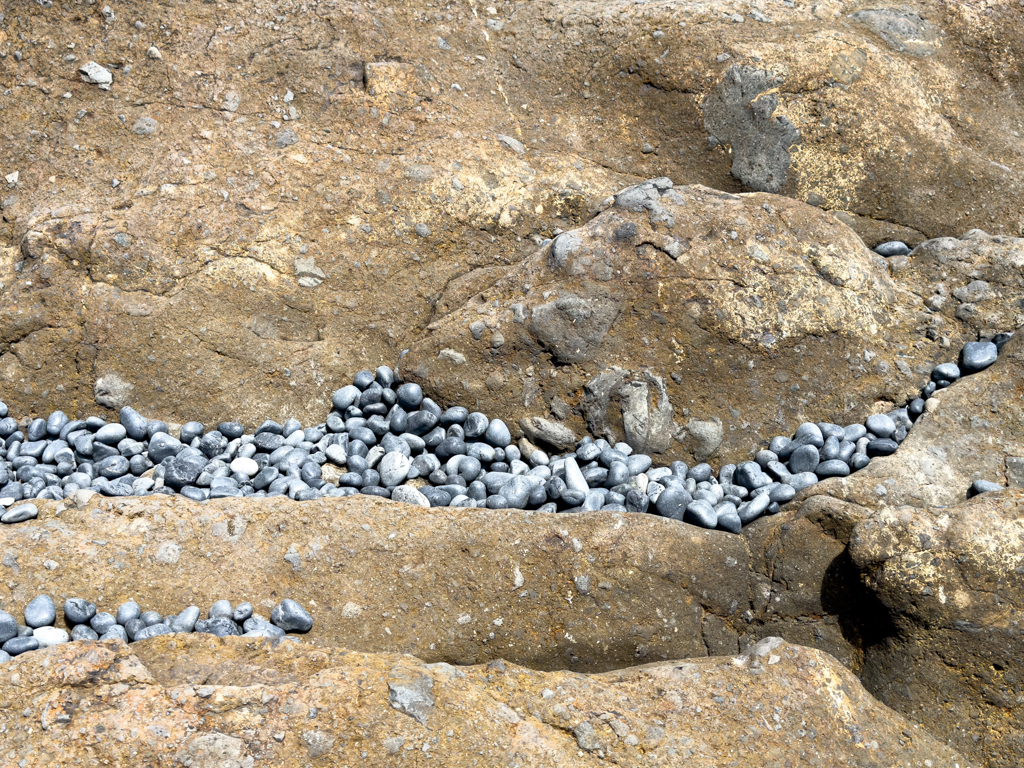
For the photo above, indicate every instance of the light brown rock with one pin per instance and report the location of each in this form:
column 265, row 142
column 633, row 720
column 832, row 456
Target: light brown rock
column 680, row 302
column 455, row 585
column 952, row 583
column 232, row 702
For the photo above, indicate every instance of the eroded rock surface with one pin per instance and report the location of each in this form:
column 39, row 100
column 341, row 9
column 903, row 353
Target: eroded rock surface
column 680, row 308
column 262, row 202
column 228, row 702
column 952, row 581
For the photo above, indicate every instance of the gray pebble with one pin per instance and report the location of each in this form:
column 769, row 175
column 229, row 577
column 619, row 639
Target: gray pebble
column 41, row 612
column 8, row 627
column 977, row 356
column 880, row 425
column 84, row 632
column 291, row 617
column 946, row 372
column 20, row 513
column 804, row 459
column 832, row 468
column 125, row 612
column 985, row 486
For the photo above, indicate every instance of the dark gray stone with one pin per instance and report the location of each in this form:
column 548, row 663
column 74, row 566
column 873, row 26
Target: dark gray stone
column 41, row 612
column 291, row 617
column 78, row 611
column 804, row 459
column 977, row 356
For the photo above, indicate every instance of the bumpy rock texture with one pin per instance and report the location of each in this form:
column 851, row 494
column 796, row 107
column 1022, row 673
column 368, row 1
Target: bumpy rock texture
column 678, row 306
column 178, row 236
column 233, row 704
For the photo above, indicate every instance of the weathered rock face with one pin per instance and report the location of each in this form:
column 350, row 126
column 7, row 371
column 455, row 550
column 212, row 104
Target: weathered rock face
column 952, row 581
column 677, row 307
column 231, row 703
column 229, row 224
column 973, row 430
column 586, row 592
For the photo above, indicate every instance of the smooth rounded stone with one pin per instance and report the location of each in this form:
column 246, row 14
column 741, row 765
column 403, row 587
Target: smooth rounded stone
column 829, row 429
column 916, row 407
column 701, row 513
column 116, row 632
column 454, row 415
column 497, row 434
column 36, row 430
column 637, row 501
column 831, row 449
column 153, row 630
column 343, row 398
column 928, row 390
column 574, row 479
column 113, row 467
column 764, row 458
column 410, row 396
column 977, row 356
column 638, row 463
column 832, row 468
column 24, row 631
column 807, row 429
column 242, row 612
column 134, row 423
column 103, row 621
column 291, row 617
column 985, row 486
column 394, row 468
column 880, row 425
column 882, row 447
column 255, row 624
column 156, row 427
column 49, row 636
column 782, row 493
column 942, row 384
column 859, row 461
column 946, row 372
column 349, row 480
column 55, row 422
column 363, row 379
column 162, row 445
column 8, row 627
column 854, row 432
column 84, row 632
column 125, row 612
column 78, row 611
column 186, row 620
column 220, row 609
column 41, row 612
column 729, row 521
column 290, row 427
column 700, row 473
column 247, row 467
column 111, row 434
column 892, row 248
column 749, row 511
column 19, row 645
column 516, row 492
column 406, row 494
column 777, row 470
column 673, row 502
column 804, row 459
column 8, row 427
column 149, row 618
column 750, row 476
column 20, row 513
column 802, row 480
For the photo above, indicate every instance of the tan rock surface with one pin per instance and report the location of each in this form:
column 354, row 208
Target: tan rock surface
column 752, row 310
column 952, row 581
column 231, row 702
column 588, row 592
column 177, row 232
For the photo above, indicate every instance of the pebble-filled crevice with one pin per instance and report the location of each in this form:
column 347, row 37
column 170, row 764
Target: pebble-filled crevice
column 384, row 438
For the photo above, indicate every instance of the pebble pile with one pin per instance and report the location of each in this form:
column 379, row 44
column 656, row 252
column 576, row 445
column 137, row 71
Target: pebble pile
column 384, row 438
column 131, row 623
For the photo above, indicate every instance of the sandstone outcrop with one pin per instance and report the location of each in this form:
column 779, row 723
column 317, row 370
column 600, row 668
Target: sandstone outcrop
column 232, row 703
column 680, row 307
column 264, row 201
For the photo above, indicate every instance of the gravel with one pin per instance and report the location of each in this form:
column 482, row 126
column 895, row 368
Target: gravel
column 385, row 438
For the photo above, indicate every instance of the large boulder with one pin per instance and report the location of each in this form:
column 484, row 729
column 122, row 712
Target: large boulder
column 688, row 322
column 951, row 580
column 203, row 701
